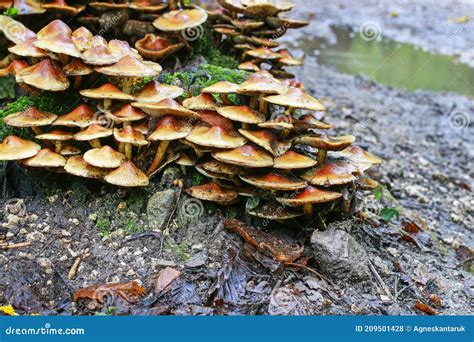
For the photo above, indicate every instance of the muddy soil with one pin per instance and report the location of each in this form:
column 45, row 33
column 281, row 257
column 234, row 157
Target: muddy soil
column 424, row 255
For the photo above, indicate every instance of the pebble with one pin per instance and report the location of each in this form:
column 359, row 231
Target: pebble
column 65, row 233
column 156, row 263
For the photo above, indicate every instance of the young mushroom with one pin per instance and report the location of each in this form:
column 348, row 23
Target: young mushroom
column 56, row 137
column 130, row 137
column 93, row 134
column 106, row 92
column 167, row 129
column 214, row 193
column 45, row 75
column 243, row 114
column 246, row 156
column 223, row 89
column 15, row 148
column 127, row 175
column 266, row 139
column 46, row 158
column 307, row 197
column 330, row 174
column 104, row 157
column 32, row 118
column 77, row 166
column 154, row 92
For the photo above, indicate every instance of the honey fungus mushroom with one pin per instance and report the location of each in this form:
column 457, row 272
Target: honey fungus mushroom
column 127, row 175
column 32, row 118
column 156, row 48
column 46, row 158
column 93, row 134
column 154, row 91
column 129, row 137
column 213, row 192
column 15, row 148
column 45, row 75
column 104, row 157
column 307, row 197
column 106, row 92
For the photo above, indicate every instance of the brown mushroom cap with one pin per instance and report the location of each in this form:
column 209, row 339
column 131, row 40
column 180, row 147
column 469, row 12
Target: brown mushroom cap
column 275, row 181
column 14, row 30
column 359, row 155
column 322, row 141
column 232, row 5
column 165, row 107
column 277, row 22
column 262, row 42
column 296, row 98
column 129, row 135
column 267, row 140
column 292, row 160
column 127, row 175
column 281, row 122
column 331, row 174
column 264, row 8
column 81, row 38
column 104, row 157
column 106, row 91
column 142, row 127
column 27, row 49
column 13, row 68
column 247, row 24
column 77, row 68
column 100, row 54
column 82, row 116
column 264, row 53
column 222, row 87
column 126, row 114
column 185, row 160
column 241, row 114
column 272, row 210
column 155, row 92
column 216, row 166
column 61, row 7
column 93, row 132
column 169, row 128
column 261, row 83
column 212, row 192
column 247, row 156
column 178, row 20
column 70, row 150
column 248, row 66
column 366, row 183
column 203, row 101
column 309, row 121
column 310, row 195
column 103, row 6
column 214, row 119
column 45, row 75
column 46, row 158
column 155, row 47
column 287, row 58
column 30, row 117
column 77, row 166
column 57, row 37
column 56, row 136
column 215, row 136
column 130, row 66
column 146, row 6
column 228, row 31
column 15, row 148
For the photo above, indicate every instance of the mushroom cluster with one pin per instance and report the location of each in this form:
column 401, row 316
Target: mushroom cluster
column 252, row 27
column 93, row 140
column 270, row 144
column 157, row 28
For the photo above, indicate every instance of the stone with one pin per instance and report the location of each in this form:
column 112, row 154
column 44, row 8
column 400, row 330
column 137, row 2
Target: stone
column 339, row 255
column 155, row 263
column 197, row 260
column 159, row 208
column 169, row 176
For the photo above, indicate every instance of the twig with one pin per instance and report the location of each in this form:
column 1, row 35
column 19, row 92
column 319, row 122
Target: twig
column 75, row 266
column 380, row 280
column 8, row 245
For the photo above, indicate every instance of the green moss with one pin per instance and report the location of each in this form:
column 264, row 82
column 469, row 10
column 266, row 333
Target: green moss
column 203, row 76
column 103, row 225
column 215, row 55
column 49, row 102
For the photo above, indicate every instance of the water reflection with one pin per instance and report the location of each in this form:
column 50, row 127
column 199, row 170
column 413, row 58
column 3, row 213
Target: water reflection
column 393, row 64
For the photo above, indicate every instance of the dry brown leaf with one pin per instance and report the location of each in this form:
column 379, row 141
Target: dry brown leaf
column 129, row 292
column 425, row 308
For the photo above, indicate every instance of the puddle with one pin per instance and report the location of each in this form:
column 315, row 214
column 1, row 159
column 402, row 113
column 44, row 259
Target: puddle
column 391, row 63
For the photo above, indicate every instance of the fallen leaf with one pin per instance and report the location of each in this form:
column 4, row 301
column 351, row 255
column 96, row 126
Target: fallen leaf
column 129, row 292
column 415, row 234
column 425, row 308
column 8, row 310
column 164, row 279
column 436, row 300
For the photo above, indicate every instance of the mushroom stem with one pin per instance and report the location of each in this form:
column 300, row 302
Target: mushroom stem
column 121, row 148
column 77, row 81
column 128, row 151
column 58, row 146
column 7, row 60
column 235, row 180
column 64, row 59
column 95, row 143
column 225, row 99
column 254, row 102
column 107, row 103
column 308, row 210
column 127, row 85
column 262, row 105
column 36, row 130
column 245, row 125
column 322, row 154
column 160, row 152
